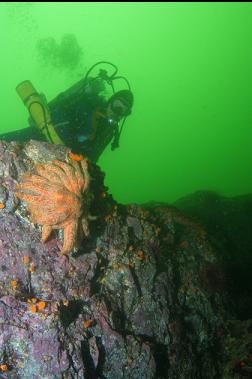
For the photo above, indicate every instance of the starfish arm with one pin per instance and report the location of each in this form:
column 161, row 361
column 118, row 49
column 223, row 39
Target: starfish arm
column 36, row 199
column 54, row 174
column 50, row 173
column 49, row 216
column 85, row 227
column 33, row 178
column 84, row 166
column 79, row 176
column 68, row 178
column 46, row 231
column 70, row 233
column 37, row 187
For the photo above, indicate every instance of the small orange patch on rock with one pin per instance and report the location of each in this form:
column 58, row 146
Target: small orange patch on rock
column 32, row 268
column 88, row 324
column 41, row 305
column 184, row 244
column 33, row 300
column 109, row 219
column 33, row 309
column 2, row 205
column 4, row 367
column 76, row 157
column 26, row 259
column 14, row 284
column 142, row 256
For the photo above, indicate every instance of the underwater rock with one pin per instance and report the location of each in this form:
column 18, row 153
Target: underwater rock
column 229, row 223
column 143, row 296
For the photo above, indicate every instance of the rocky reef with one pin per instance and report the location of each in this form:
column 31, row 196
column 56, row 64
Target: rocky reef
column 148, row 294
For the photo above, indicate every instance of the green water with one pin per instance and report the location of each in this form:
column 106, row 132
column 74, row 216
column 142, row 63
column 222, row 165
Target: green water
column 190, row 67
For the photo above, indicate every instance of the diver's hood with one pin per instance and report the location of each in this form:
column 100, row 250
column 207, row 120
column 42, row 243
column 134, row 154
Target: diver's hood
column 125, row 96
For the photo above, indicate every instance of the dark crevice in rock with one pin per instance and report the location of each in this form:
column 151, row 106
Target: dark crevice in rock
column 95, row 285
column 90, row 371
column 70, row 312
column 101, row 358
column 136, row 281
column 119, row 321
column 160, row 355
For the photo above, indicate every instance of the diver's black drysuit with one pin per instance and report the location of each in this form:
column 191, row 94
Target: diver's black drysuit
column 79, row 118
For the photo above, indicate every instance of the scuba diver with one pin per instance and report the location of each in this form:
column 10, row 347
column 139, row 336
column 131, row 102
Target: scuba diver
column 82, row 118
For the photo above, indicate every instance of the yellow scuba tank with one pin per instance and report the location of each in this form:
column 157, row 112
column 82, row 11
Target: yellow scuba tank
column 39, row 111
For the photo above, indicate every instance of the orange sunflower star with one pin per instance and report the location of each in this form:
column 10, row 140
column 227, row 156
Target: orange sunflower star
column 56, row 199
